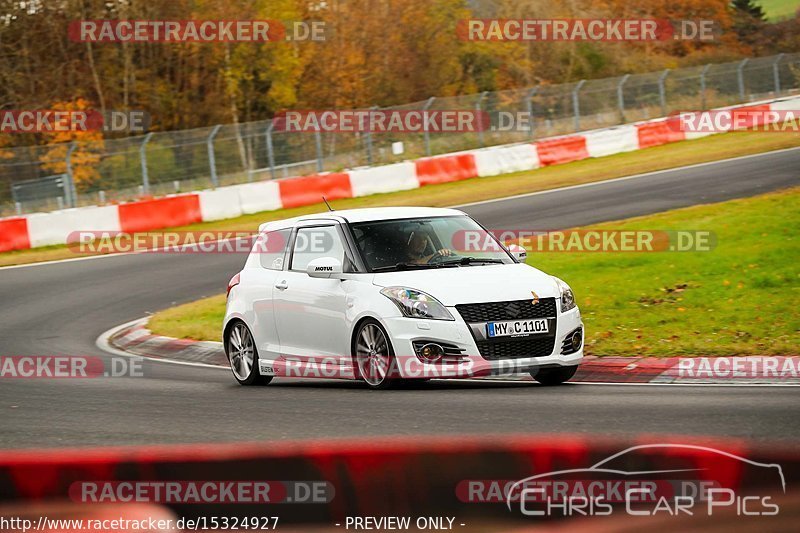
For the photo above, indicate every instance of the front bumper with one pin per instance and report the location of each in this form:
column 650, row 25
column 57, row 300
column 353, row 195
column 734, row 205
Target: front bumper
column 404, row 331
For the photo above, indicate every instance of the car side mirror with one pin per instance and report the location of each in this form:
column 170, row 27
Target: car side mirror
column 324, row 267
column 519, row 252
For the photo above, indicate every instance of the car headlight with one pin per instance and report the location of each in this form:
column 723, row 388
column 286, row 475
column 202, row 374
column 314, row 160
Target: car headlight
column 417, row 304
column 567, row 297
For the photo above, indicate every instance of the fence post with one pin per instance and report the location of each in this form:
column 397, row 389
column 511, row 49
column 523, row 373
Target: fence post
column 143, row 160
column 318, row 141
column 703, row 87
column 662, row 92
column 17, row 203
column 270, row 150
column 529, row 101
column 621, row 98
column 576, row 106
column 776, row 74
column 740, row 76
column 369, row 138
column 212, row 160
column 480, row 117
column 71, row 191
column 426, row 133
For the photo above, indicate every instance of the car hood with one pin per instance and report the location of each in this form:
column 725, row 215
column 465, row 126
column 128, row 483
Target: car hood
column 474, row 284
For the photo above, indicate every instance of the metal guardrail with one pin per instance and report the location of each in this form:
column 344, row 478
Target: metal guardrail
column 50, row 188
column 157, row 163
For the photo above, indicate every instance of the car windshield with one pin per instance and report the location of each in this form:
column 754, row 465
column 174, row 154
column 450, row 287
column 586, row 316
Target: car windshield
column 418, row 243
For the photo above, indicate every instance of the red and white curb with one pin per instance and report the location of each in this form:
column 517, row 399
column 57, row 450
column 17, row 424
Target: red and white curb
column 135, row 339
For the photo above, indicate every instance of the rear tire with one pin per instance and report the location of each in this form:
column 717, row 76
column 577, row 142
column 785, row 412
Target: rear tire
column 373, row 356
column 554, row 376
column 243, row 355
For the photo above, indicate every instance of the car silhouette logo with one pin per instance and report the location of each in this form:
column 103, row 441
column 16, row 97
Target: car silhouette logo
column 605, row 466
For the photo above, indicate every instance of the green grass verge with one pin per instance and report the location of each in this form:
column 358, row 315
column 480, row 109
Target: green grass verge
column 201, row 320
column 738, row 299
column 711, row 148
column 779, row 9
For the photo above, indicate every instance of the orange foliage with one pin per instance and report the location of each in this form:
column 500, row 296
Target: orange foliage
column 85, row 157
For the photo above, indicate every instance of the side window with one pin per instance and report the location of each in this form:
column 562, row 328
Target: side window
column 271, row 247
column 313, row 243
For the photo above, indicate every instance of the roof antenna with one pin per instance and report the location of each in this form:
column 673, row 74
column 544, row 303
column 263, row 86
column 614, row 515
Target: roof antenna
column 329, row 205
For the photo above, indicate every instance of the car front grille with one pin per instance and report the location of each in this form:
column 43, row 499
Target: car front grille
column 511, row 347
column 517, row 348
column 512, row 310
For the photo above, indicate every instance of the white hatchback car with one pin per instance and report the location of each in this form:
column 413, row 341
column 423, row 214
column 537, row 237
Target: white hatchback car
column 396, row 293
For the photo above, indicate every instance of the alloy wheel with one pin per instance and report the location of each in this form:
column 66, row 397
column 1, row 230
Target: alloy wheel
column 241, row 351
column 372, row 354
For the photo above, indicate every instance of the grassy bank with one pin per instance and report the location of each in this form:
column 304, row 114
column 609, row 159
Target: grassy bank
column 652, row 159
column 779, row 9
column 740, row 298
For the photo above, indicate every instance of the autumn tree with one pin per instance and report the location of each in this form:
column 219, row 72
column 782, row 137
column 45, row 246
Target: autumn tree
column 86, row 155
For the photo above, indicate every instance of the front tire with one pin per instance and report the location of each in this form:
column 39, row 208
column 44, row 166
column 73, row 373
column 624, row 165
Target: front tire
column 554, row 376
column 374, row 356
column 243, row 355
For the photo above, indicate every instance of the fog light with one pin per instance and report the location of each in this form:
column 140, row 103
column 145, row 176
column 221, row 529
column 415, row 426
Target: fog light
column 431, row 352
column 577, row 338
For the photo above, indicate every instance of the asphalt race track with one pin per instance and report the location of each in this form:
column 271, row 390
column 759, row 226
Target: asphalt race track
column 61, row 308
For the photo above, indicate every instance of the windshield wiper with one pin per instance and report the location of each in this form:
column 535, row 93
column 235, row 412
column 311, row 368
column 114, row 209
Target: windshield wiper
column 410, row 266
column 472, row 261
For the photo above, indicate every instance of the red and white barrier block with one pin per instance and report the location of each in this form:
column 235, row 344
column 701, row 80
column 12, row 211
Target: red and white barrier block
column 56, row 227
column 14, row 234
column 506, row 159
column 388, row 178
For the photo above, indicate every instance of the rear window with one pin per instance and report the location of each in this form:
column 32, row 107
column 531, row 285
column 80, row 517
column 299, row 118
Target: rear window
column 271, row 248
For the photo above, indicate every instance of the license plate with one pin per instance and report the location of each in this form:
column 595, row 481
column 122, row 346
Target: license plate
column 514, row 328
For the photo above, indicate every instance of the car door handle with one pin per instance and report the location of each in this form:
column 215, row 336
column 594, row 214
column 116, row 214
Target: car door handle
column 282, row 285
